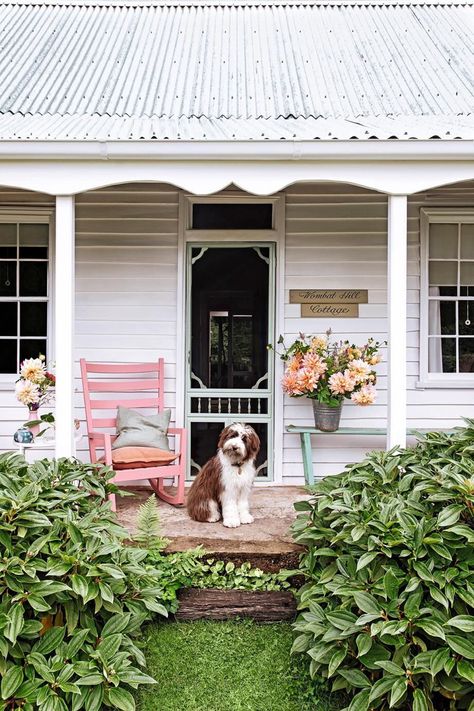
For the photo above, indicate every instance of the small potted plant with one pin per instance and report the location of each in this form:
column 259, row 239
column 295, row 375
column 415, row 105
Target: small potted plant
column 328, row 373
column 35, row 388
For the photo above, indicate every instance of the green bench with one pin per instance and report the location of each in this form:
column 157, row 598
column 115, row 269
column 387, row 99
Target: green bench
column 305, row 439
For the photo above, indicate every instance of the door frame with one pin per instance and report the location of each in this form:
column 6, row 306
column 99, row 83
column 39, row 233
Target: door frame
column 214, row 237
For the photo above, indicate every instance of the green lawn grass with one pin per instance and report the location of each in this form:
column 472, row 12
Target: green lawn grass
column 228, row 666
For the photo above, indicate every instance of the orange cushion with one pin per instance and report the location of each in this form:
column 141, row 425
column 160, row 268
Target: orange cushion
column 141, row 457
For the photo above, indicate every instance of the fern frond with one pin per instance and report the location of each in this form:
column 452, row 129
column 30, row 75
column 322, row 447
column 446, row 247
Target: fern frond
column 148, row 526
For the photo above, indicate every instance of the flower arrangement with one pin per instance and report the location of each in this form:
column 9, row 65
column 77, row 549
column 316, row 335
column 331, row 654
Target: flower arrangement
column 329, row 371
column 34, row 387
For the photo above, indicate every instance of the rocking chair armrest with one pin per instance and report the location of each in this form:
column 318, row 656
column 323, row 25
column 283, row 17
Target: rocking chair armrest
column 104, row 440
column 182, row 433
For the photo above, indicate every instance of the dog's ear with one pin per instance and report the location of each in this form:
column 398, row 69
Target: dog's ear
column 253, row 443
column 226, row 434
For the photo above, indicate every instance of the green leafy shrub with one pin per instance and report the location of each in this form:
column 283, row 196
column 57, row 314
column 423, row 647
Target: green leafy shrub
column 387, row 612
column 73, row 596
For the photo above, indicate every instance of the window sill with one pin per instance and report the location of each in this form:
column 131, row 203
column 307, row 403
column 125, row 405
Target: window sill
column 444, row 385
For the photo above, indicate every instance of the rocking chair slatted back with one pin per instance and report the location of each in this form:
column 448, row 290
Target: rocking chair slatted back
column 152, row 388
column 113, row 381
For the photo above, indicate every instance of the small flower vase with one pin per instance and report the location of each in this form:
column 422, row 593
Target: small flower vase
column 326, row 418
column 33, row 415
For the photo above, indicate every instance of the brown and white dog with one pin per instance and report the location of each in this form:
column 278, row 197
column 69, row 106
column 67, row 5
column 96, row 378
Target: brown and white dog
column 222, row 487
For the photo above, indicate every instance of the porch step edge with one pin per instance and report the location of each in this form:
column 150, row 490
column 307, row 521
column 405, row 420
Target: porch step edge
column 211, row 604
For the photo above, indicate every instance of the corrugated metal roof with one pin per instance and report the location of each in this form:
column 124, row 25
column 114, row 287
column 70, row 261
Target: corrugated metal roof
column 232, row 69
column 106, row 128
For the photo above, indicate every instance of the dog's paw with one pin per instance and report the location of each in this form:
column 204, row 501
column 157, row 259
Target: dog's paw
column 246, row 518
column 214, row 512
column 231, row 522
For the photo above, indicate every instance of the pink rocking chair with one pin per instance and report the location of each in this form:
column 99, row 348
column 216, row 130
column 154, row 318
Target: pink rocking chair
column 152, row 384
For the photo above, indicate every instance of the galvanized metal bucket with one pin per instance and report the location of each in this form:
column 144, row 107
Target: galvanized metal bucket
column 326, row 418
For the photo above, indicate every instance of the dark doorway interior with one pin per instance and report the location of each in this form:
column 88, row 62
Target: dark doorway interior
column 229, row 337
column 230, row 317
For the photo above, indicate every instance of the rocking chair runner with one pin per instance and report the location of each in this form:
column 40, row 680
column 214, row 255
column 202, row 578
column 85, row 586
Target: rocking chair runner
column 152, row 387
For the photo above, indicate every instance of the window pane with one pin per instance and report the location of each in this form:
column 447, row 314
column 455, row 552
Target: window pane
column 32, row 347
column 232, row 216
column 444, row 291
column 8, row 241
column 466, row 318
column 466, row 355
column 8, row 278
column 442, row 318
column 467, row 274
column 33, row 278
column 467, row 241
column 443, row 241
column 442, row 355
column 34, row 241
column 443, row 273
column 8, row 362
column 33, row 319
column 8, row 320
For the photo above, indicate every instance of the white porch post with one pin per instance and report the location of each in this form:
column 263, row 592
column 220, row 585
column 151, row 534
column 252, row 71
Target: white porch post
column 64, row 325
column 397, row 317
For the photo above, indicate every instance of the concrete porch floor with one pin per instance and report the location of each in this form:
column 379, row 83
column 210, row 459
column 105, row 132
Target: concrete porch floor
column 268, row 536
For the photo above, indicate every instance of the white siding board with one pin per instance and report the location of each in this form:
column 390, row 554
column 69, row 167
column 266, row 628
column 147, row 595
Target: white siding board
column 126, row 328
column 138, row 312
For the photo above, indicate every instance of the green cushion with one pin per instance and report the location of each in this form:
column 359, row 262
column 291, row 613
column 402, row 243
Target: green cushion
column 137, row 430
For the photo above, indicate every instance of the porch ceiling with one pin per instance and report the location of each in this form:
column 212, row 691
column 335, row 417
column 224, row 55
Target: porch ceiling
column 235, row 70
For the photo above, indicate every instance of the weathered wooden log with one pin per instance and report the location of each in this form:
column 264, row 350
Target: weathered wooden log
column 210, row 604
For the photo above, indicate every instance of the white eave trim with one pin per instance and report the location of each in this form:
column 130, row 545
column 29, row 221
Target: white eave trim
column 363, row 149
column 257, row 167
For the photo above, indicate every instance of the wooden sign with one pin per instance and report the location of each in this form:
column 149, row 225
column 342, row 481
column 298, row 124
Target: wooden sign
column 328, row 296
column 330, row 310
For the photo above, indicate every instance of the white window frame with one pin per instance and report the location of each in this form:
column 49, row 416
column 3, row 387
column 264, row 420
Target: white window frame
column 428, row 217
column 33, row 216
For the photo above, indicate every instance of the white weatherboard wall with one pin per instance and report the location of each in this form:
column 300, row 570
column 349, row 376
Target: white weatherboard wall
column 126, row 272
column 336, row 236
